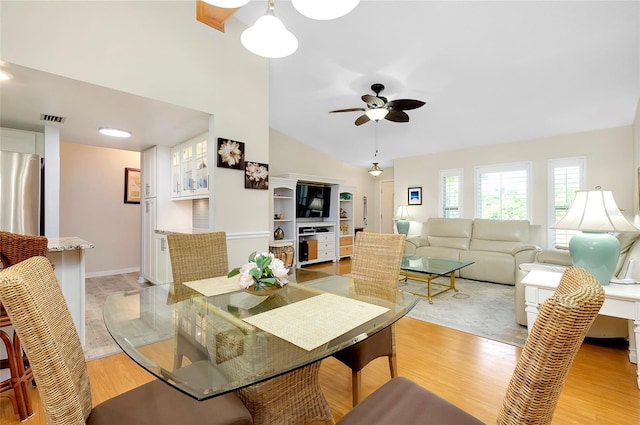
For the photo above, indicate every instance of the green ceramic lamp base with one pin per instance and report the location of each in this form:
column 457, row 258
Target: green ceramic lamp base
column 597, row 253
column 403, row 226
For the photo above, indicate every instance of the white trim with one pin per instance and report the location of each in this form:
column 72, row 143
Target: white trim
column 111, row 272
column 248, row 235
column 309, row 178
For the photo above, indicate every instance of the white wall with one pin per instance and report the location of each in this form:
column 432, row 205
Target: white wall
column 159, row 50
column 290, row 156
column 92, row 205
column 609, row 156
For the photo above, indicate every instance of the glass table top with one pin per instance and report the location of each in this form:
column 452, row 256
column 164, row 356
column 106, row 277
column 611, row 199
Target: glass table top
column 203, row 347
column 430, row 265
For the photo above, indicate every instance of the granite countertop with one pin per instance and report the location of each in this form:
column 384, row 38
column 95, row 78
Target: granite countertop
column 68, row 243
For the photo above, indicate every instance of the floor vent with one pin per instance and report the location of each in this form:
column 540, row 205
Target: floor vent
column 52, row 118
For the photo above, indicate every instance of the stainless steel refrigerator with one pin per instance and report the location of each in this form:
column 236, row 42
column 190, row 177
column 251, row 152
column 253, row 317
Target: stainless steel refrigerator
column 20, row 180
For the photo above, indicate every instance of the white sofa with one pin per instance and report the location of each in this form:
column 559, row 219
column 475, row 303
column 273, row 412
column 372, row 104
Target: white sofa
column 497, row 247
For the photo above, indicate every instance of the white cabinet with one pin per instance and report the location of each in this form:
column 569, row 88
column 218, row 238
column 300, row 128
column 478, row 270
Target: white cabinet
column 346, row 229
column 162, row 262
column 149, row 177
column 22, row 141
column 316, row 242
column 190, row 169
column 158, row 211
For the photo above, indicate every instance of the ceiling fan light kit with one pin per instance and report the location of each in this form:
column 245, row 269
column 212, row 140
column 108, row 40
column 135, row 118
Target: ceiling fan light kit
column 268, row 37
column 377, row 114
column 227, row 4
column 324, row 9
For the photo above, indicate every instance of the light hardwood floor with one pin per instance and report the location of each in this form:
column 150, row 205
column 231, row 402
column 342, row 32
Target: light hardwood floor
column 471, row 372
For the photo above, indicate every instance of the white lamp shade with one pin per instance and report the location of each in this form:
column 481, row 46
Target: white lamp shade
column 377, row 114
column 324, row 9
column 594, row 211
column 402, row 213
column 268, row 37
column 227, row 4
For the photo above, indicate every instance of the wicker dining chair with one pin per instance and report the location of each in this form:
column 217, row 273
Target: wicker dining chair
column 540, row 373
column 15, row 248
column 193, row 257
column 376, row 261
column 34, row 300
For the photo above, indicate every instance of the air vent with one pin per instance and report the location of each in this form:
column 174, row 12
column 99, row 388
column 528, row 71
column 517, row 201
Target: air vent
column 52, row 118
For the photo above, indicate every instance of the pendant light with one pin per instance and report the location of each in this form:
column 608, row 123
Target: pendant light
column 324, row 9
column 268, row 37
column 227, row 4
column 375, row 170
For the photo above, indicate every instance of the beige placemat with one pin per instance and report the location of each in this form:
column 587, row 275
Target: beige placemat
column 317, row 320
column 215, row 285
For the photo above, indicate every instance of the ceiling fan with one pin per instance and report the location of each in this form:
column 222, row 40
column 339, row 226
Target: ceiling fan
column 378, row 107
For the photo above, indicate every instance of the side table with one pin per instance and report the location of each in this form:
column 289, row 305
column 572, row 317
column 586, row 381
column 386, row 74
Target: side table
column 620, row 301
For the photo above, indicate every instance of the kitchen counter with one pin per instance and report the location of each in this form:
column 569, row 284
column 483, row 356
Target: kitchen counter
column 67, row 256
column 69, row 243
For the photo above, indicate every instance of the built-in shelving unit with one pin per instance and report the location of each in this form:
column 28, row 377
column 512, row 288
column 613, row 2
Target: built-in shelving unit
column 346, row 228
column 316, row 242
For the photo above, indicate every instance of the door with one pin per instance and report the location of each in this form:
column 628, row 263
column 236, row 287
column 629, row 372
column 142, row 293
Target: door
column 386, row 206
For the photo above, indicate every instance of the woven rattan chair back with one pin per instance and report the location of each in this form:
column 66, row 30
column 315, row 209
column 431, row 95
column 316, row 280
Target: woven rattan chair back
column 377, row 257
column 194, row 257
column 554, row 340
column 15, row 248
column 32, row 296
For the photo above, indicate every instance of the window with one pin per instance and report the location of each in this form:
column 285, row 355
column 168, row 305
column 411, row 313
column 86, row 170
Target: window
column 502, row 191
column 566, row 175
column 451, row 193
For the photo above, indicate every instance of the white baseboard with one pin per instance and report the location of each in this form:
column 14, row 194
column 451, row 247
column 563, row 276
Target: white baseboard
column 112, row 272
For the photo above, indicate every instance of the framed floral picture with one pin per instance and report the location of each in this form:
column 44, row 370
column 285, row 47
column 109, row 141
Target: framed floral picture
column 132, row 185
column 256, row 175
column 230, row 154
column 415, row 196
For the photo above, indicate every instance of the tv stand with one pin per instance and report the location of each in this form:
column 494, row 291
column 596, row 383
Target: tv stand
column 316, row 242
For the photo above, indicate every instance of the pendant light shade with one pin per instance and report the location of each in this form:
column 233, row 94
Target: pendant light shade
column 268, row 37
column 375, row 170
column 227, row 4
column 324, row 9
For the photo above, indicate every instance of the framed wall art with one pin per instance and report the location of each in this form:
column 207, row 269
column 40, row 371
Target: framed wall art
column 230, row 154
column 256, row 175
column 415, row 196
column 132, row 185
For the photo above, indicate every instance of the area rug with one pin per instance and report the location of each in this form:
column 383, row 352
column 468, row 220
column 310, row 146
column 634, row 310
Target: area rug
column 480, row 308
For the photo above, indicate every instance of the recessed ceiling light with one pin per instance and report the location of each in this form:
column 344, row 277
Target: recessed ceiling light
column 4, row 75
column 114, row 132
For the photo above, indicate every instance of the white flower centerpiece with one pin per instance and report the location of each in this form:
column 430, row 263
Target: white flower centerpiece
column 262, row 274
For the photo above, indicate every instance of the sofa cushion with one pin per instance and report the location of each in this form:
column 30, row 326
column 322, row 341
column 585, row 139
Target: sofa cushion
column 499, row 235
column 438, row 252
column 449, row 232
column 489, row 266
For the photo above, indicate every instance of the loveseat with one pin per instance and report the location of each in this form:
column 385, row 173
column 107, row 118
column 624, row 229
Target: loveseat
column 557, row 260
column 497, row 247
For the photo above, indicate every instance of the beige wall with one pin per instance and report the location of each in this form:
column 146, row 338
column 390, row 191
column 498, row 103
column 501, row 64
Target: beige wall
column 290, row 156
column 159, row 50
column 92, row 205
column 609, row 156
column 635, row 172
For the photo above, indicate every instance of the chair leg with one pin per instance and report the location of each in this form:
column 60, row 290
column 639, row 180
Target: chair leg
column 355, row 386
column 393, row 365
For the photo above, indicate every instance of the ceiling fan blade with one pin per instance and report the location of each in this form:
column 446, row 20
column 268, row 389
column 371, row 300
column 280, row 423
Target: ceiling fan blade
column 348, row 110
column 405, row 104
column 397, row 116
column 372, row 101
column 362, row 119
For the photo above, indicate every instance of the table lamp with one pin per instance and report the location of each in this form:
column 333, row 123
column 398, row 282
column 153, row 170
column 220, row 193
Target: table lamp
column 402, row 215
column 595, row 213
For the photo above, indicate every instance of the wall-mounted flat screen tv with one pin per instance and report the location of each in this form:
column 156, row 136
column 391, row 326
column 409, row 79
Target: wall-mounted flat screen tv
column 312, row 200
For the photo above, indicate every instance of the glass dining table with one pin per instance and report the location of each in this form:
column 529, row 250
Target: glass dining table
column 206, row 346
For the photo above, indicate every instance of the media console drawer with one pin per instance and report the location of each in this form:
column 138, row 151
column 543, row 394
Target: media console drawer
column 346, row 250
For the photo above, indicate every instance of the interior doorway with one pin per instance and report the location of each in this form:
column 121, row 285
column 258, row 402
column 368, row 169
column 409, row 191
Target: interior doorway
column 386, row 206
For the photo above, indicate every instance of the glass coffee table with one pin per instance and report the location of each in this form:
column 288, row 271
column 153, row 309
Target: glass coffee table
column 426, row 269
